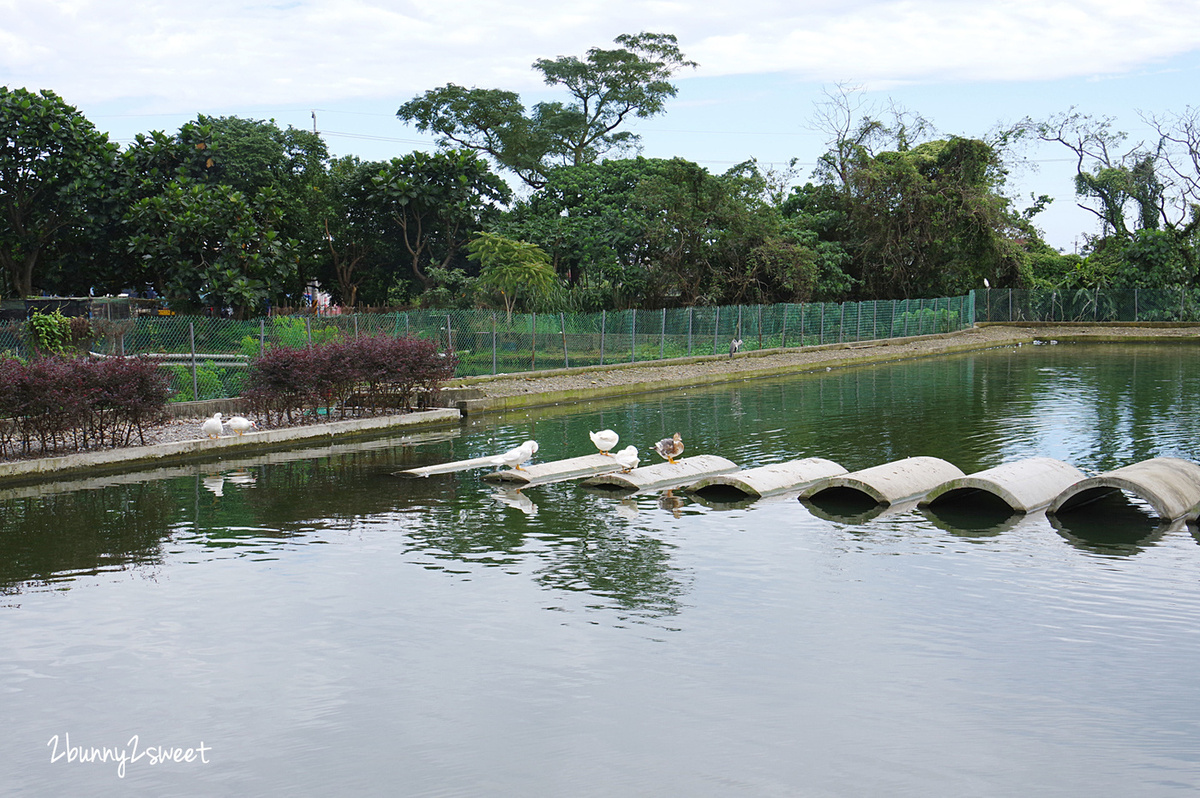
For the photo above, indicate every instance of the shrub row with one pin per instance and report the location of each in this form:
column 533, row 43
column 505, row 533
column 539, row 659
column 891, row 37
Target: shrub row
column 357, row 377
column 60, row 404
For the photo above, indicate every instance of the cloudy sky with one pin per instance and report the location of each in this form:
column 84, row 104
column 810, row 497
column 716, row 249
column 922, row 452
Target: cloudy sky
column 141, row 65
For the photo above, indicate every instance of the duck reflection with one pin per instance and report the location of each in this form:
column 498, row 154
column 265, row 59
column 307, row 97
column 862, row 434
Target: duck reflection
column 627, row 508
column 517, row 500
column 671, row 503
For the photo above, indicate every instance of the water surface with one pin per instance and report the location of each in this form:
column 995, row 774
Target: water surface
column 323, row 627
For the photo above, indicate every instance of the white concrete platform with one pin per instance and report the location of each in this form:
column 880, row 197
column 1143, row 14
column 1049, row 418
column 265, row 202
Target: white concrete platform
column 557, row 470
column 449, row 468
column 891, row 483
column 1170, row 485
column 769, row 479
column 1024, row 485
column 663, row 475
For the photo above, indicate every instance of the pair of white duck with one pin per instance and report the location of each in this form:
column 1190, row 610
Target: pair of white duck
column 213, row 427
column 604, row 440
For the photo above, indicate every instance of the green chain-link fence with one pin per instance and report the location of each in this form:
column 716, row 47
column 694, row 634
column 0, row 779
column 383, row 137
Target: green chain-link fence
column 1086, row 305
column 208, row 357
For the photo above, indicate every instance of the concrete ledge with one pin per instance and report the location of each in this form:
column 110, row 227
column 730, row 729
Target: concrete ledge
column 136, row 457
column 1168, row 484
column 1025, row 485
column 871, row 352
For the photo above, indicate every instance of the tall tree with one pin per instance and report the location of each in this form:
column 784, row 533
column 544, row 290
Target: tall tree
column 608, row 87
column 56, row 173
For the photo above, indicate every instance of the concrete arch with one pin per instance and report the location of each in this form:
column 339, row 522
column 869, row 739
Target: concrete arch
column 1024, row 485
column 769, row 479
column 1170, row 485
column 892, row 482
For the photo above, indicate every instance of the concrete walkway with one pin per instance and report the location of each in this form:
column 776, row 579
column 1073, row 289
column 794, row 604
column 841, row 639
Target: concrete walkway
column 137, row 457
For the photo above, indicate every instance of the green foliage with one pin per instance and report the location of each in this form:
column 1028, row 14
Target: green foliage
column 55, row 334
column 209, row 384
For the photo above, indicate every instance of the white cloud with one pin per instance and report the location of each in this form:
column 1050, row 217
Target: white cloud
column 180, row 56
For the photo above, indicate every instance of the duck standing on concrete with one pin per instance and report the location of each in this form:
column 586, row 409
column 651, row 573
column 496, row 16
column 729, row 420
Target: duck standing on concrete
column 670, row 448
column 627, row 458
column 605, row 440
column 239, row 424
column 212, row 427
column 514, row 457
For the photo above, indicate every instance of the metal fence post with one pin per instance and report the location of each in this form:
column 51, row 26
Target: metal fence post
column 690, row 308
column 449, row 335
column 603, row 324
column 1135, row 298
column 716, row 327
column 842, row 323
column 262, row 336
column 760, row 326
column 662, row 341
column 308, row 329
column 821, row 339
column 493, row 342
column 533, row 343
column 356, row 326
column 192, row 341
column 633, row 336
column 783, row 343
column 563, row 326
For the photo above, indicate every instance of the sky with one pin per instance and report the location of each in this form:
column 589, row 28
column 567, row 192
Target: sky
column 765, row 66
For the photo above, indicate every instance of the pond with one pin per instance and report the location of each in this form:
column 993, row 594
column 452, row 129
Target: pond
column 308, row 623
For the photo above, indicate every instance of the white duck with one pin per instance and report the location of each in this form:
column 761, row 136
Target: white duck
column 514, row 457
column 239, row 424
column 605, row 440
column 212, row 426
column 670, row 448
column 627, row 458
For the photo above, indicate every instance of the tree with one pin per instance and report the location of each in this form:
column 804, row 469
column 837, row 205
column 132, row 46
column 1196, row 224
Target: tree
column 514, row 268
column 56, row 172
column 438, row 201
column 607, row 88
column 210, row 245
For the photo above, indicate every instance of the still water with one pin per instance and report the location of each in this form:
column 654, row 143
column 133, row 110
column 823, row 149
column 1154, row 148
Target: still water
column 308, row 624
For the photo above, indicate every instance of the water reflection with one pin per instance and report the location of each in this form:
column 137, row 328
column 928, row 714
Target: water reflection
column 54, row 539
column 1115, row 524
column 972, row 513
